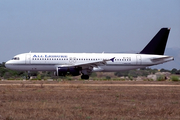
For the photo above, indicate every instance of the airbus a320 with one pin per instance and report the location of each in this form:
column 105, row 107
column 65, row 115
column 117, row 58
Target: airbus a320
column 85, row 63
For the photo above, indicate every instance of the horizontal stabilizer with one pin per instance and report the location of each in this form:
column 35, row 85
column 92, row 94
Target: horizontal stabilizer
column 162, row 59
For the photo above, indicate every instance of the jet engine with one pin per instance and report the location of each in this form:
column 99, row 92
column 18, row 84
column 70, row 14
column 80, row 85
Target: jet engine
column 62, row 71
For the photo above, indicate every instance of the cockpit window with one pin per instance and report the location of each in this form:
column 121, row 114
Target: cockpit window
column 15, row 58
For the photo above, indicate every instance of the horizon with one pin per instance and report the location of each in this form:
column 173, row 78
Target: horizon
column 85, row 26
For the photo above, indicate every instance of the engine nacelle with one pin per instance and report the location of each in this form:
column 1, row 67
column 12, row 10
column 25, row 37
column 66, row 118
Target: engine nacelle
column 62, row 71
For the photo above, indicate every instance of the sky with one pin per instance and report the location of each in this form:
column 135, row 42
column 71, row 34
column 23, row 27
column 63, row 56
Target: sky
column 85, row 25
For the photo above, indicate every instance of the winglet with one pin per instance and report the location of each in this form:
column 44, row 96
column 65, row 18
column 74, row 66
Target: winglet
column 112, row 59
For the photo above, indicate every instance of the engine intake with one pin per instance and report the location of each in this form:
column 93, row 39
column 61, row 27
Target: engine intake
column 62, row 71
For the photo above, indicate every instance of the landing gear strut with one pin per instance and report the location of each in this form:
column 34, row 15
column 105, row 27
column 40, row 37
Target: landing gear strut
column 28, row 75
column 86, row 77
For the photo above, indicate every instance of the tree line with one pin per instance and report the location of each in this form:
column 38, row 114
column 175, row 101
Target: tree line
column 8, row 74
column 144, row 72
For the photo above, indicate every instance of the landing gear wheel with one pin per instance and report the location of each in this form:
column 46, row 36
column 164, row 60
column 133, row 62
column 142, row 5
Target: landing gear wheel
column 86, row 77
column 27, row 77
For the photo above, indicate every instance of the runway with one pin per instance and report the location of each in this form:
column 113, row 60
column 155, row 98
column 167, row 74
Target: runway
column 95, row 85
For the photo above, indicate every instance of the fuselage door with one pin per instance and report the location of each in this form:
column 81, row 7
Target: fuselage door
column 72, row 60
column 138, row 60
column 28, row 58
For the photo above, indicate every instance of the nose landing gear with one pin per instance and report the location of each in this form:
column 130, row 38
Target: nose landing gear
column 28, row 75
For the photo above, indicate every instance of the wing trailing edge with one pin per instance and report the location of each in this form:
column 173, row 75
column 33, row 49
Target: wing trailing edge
column 90, row 64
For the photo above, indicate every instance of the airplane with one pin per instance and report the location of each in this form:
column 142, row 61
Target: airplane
column 85, row 63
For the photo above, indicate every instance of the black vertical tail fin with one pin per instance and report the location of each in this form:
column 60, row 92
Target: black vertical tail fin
column 158, row 43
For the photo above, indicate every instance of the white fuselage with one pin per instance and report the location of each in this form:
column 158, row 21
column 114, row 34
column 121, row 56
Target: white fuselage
column 50, row 61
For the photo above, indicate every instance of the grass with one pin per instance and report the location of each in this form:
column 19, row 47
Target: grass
column 89, row 102
column 175, row 78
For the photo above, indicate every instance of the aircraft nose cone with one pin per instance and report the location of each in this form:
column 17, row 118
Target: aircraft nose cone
column 7, row 64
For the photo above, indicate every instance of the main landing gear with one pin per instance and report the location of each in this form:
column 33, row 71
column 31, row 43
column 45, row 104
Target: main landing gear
column 86, row 77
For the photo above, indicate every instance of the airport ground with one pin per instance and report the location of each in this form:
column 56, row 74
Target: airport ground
column 91, row 100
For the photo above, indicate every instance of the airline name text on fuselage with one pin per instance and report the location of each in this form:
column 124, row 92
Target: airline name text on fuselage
column 55, row 56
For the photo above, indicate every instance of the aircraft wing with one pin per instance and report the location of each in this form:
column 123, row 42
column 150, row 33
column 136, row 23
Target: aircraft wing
column 89, row 64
